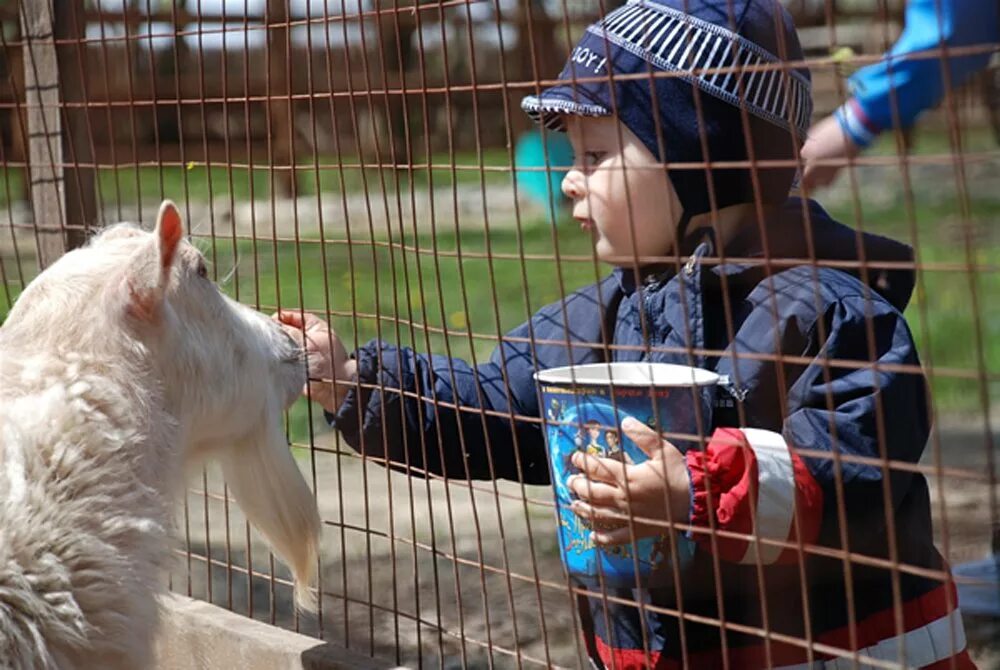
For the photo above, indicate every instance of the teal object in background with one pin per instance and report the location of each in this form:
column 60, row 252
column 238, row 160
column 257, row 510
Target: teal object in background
column 541, row 185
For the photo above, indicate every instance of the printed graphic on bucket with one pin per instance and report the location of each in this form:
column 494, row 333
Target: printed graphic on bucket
column 582, row 415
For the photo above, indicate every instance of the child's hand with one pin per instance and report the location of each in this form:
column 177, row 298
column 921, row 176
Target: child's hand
column 610, row 490
column 327, row 359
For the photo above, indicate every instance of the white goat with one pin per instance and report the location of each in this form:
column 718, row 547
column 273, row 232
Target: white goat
column 120, row 365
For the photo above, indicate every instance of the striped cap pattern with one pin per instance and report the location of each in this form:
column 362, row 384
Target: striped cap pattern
column 716, row 60
column 549, row 112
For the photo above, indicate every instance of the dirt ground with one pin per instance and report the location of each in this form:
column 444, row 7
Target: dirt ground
column 514, row 611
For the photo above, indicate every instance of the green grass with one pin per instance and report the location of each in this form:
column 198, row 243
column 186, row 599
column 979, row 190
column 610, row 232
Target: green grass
column 933, row 141
column 957, row 333
column 197, row 181
column 422, row 283
column 414, row 286
column 429, row 285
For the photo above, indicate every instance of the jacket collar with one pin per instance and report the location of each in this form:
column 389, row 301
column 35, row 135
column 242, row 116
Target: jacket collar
column 700, row 242
column 800, row 229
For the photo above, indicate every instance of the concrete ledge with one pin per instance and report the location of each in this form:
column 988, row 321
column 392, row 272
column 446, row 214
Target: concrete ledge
column 195, row 635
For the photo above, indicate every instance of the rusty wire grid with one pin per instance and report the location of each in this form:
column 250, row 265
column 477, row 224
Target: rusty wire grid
column 359, row 160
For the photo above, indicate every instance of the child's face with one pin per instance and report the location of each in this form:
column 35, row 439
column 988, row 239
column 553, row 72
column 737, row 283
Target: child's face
column 620, row 194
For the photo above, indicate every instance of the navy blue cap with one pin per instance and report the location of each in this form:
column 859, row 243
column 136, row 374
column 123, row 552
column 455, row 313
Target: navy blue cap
column 727, row 55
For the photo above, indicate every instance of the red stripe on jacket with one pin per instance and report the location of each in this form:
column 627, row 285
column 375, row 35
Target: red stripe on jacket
column 915, row 613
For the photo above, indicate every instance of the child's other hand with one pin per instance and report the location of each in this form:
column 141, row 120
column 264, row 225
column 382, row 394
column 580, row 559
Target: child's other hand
column 826, row 142
column 326, row 356
column 609, row 490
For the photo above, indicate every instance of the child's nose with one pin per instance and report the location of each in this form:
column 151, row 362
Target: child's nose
column 574, row 184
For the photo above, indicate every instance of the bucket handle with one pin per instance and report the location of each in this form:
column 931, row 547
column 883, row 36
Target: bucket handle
column 730, row 387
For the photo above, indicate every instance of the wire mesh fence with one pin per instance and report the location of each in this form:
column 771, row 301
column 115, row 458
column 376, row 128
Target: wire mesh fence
column 369, row 162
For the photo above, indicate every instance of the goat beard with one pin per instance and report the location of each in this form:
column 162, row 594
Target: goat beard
column 270, row 489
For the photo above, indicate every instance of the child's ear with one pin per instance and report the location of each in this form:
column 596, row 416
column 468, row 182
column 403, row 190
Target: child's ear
column 148, row 275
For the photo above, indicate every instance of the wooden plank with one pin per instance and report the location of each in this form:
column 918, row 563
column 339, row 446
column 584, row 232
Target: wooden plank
column 195, row 634
column 41, row 85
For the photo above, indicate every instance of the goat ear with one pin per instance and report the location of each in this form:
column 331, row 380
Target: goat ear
column 169, row 231
column 146, row 286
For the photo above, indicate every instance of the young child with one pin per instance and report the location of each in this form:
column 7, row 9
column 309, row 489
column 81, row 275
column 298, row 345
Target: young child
column 812, row 543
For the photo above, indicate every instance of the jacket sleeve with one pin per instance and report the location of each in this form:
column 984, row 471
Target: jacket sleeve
column 895, row 90
column 431, row 414
column 784, row 486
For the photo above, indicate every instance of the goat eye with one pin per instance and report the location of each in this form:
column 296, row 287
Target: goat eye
column 202, row 270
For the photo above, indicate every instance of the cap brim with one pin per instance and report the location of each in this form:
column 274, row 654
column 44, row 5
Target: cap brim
column 555, row 103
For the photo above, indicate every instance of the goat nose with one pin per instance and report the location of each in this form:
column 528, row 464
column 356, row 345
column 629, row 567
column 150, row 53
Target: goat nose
column 295, row 352
column 292, row 342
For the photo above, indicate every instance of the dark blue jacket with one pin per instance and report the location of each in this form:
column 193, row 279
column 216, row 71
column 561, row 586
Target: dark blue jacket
column 805, row 337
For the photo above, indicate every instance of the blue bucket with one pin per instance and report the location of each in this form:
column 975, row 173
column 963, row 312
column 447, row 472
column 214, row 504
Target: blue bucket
column 543, row 182
column 584, row 407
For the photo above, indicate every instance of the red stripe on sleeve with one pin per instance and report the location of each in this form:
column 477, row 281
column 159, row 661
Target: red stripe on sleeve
column 808, row 509
column 859, row 113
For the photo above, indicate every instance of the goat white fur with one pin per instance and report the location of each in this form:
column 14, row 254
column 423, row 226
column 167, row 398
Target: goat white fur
column 120, row 366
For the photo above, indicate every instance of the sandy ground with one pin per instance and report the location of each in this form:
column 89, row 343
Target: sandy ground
column 432, row 571
column 516, row 604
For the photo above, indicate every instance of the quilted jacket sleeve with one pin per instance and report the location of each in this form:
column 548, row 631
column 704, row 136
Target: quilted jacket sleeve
column 440, row 415
column 785, row 485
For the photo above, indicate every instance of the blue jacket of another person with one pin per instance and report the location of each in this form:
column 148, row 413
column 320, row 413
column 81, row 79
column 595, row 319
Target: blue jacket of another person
column 917, row 70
